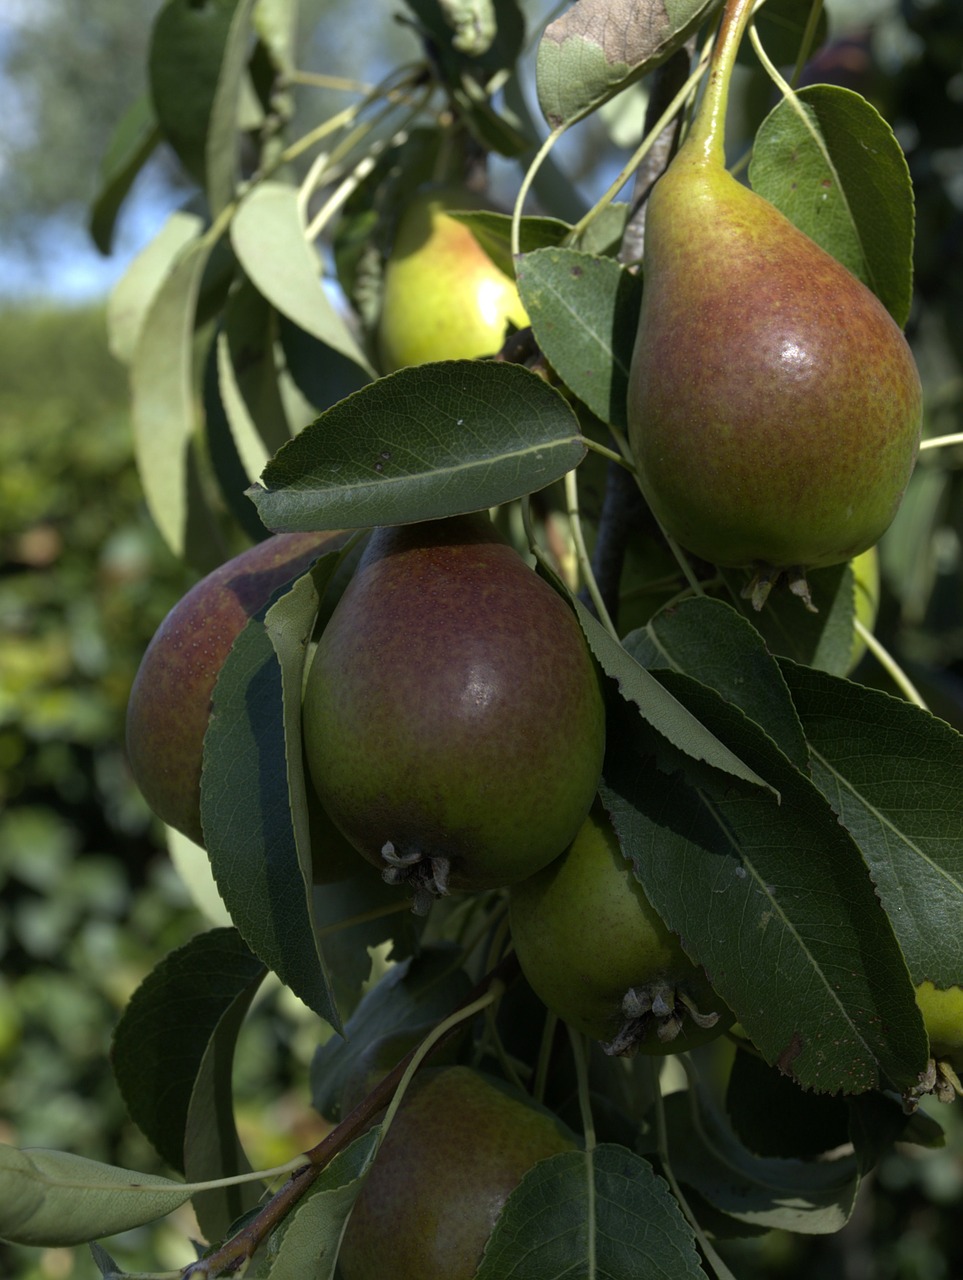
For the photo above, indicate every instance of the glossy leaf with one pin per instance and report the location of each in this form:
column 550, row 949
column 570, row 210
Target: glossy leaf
column 602, row 1212
column 53, row 1198
column 584, row 312
column 598, row 47
column 161, row 1040
column 773, row 898
column 892, row 773
column 428, row 441
column 833, row 166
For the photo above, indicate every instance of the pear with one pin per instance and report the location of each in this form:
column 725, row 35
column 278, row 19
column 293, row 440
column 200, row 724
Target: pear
column 170, row 699
column 454, row 724
column 596, row 952
column 457, row 1148
column 444, row 298
column 774, row 405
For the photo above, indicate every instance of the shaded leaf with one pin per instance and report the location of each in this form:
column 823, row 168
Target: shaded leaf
column 493, row 231
column 54, row 1198
column 833, row 166
column 773, row 899
column 602, row 1212
column 428, row 441
column 584, row 312
column 159, row 1044
column 133, row 141
column 598, row 47
column 892, row 772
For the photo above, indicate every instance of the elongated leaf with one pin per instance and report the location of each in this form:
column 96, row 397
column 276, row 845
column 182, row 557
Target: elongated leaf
column 893, row 774
column 658, row 706
column 436, row 440
column 160, row 1042
column 832, row 165
column 309, row 1242
column 602, row 1212
column 493, row 231
column 246, row 816
column 712, row 643
column 268, row 237
column 132, row 296
column 808, row 1196
column 221, row 139
column 598, row 47
column 584, row 312
column 54, row 1198
column 774, row 899
column 134, row 140
column 162, row 392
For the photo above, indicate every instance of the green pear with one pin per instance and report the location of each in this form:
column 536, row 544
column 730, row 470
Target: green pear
column 774, row 405
column 170, row 699
column 596, row 952
column 454, row 723
column 444, row 298
column 457, row 1148
column 942, row 1010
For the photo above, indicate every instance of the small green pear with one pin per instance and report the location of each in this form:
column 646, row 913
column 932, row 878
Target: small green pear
column 454, row 723
column 774, row 405
column 444, row 298
column 596, row 952
column 942, row 1010
column 170, row 699
column 458, row 1147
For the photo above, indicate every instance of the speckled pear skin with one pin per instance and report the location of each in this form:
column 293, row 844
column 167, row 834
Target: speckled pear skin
column 774, row 405
column 455, row 1151
column 452, row 708
column 170, row 699
column 444, row 298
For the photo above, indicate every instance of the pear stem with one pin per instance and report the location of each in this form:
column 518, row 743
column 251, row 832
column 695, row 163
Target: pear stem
column 707, row 135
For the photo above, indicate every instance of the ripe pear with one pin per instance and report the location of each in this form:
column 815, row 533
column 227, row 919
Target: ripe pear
column 457, row 1148
column 170, row 699
column 454, row 723
column 444, row 298
column 774, row 405
column 596, row 952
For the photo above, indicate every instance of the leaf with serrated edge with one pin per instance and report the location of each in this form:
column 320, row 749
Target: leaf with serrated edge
column 55, row 1199
column 427, row 442
column 602, row 1212
column 598, row 47
column 892, row 772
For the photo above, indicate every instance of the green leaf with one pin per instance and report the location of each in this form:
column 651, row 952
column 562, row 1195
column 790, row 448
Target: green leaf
column 268, row 237
column 53, row 1198
column 712, row 643
column 602, row 1212
column 310, row 1239
column 832, row 165
column 246, row 816
column 584, row 312
column 781, row 25
column 197, row 55
column 810, row 1197
column 493, row 231
column 132, row 296
column 657, row 705
column 159, row 1044
column 133, row 141
column 598, row 47
column 428, row 441
column 408, row 1000
column 163, row 397
column 773, row 899
column 892, row 772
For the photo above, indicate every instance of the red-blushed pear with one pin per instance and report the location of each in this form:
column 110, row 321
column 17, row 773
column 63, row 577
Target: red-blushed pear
column 458, row 1147
column 170, row 699
column 596, row 952
column 774, row 405
column 454, row 722
column 444, row 298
